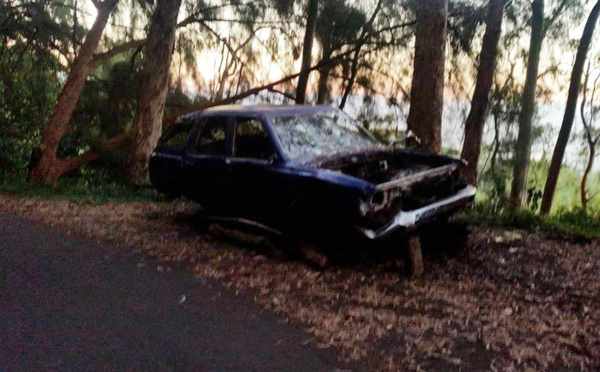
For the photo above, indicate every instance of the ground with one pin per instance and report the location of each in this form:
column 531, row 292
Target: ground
column 73, row 304
column 511, row 300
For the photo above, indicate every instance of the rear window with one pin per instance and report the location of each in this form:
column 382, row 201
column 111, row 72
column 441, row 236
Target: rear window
column 212, row 138
column 176, row 136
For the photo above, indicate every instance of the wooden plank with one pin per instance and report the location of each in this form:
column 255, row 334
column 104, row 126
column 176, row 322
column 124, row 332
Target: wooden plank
column 415, row 256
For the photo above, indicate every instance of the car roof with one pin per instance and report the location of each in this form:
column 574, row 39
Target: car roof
column 260, row 110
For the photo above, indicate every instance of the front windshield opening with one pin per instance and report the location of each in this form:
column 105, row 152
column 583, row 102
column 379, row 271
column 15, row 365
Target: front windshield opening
column 323, row 133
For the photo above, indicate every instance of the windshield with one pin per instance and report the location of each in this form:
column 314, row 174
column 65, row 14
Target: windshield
column 312, row 135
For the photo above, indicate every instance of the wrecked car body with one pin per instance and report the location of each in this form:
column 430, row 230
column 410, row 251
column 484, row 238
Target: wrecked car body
column 280, row 167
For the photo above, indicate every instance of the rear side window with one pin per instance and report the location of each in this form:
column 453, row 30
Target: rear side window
column 212, row 137
column 176, row 136
column 252, row 140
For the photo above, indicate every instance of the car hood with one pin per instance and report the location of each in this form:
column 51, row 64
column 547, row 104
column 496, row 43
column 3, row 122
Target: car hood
column 383, row 165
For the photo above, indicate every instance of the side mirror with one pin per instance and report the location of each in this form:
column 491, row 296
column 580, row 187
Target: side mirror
column 409, row 138
column 272, row 159
column 395, row 141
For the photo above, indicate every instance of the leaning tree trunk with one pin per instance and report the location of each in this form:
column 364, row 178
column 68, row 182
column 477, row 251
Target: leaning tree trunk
column 523, row 146
column 567, row 123
column 313, row 9
column 485, row 76
column 48, row 168
column 147, row 124
column 427, row 92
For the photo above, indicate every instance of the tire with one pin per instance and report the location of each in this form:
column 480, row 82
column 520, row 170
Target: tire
column 303, row 237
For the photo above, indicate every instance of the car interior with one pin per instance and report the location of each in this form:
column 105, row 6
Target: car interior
column 252, row 140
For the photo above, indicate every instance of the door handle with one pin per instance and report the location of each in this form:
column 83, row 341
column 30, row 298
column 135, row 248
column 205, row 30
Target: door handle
column 227, row 161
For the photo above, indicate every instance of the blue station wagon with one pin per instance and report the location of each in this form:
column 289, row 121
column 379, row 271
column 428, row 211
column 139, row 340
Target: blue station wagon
column 286, row 168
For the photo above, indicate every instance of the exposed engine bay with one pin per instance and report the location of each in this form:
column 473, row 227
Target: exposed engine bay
column 383, row 166
column 406, row 180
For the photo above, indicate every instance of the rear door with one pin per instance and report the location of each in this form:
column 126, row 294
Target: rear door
column 206, row 172
column 166, row 161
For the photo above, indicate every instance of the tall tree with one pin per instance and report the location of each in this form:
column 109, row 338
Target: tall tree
column 309, row 34
column 592, row 136
column 323, row 87
column 523, row 146
column 147, row 124
column 485, row 76
column 48, row 167
column 366, row 29
column 427, row 92
column 326, row 27
column 567, row 123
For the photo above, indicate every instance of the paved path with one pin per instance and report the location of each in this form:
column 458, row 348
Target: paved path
column 65, row 307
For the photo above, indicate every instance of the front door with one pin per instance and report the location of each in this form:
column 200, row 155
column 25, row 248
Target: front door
column 256, row 182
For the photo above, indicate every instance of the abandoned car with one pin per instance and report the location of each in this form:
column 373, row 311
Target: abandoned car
column 284, row 168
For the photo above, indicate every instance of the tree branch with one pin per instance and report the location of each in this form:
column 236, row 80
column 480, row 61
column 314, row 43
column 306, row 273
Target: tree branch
column 557, row 12
column 103, row 57
column 256, row 90
column 77, row 161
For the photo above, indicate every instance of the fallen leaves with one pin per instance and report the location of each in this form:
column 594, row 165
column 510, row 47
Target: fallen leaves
column 512, row 301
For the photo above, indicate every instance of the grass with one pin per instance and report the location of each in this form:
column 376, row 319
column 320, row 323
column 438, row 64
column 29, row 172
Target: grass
column 94, row 189
column 82, row 189
column 574, row 222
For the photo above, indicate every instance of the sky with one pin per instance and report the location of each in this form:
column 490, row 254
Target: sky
column 269, row 69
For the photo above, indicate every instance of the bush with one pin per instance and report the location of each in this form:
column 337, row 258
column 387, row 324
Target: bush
column 91, row 187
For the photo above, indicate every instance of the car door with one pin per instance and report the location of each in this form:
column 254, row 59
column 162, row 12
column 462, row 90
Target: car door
column 166, row 161
column 257, row 184
column 206, row 171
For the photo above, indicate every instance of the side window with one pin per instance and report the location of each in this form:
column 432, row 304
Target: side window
column 252, row 140
column 212, row 137
column 176, row 136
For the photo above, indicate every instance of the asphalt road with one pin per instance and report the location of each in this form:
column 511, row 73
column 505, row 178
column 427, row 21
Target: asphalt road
column 65, row 306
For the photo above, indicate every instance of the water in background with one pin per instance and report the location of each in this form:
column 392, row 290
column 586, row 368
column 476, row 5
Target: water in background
column 548, row 119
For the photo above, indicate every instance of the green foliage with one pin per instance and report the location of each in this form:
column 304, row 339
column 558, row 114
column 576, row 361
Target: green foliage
column 27, row 95
column 574, row 223
column 93, row 187
column 340, row 22
column 466, row 17
column 493, row 188
column 105, row 109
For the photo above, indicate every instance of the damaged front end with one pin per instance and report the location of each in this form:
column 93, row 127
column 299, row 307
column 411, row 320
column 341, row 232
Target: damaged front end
column 412, row 189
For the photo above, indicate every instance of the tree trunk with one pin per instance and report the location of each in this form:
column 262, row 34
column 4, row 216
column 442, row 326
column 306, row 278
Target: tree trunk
column 323, row 88
column 586, row 173
column 147, row 124
column 523, row 146
column 352, row 77
column 427, row 92
column 485, row 76
column 49, row 168
column 311, row 22
column 567, row 123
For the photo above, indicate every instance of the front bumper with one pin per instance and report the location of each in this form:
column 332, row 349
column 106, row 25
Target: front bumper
column 410, row 220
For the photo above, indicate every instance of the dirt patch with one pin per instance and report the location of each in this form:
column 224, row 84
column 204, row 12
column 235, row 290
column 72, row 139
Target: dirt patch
column 510, row 301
